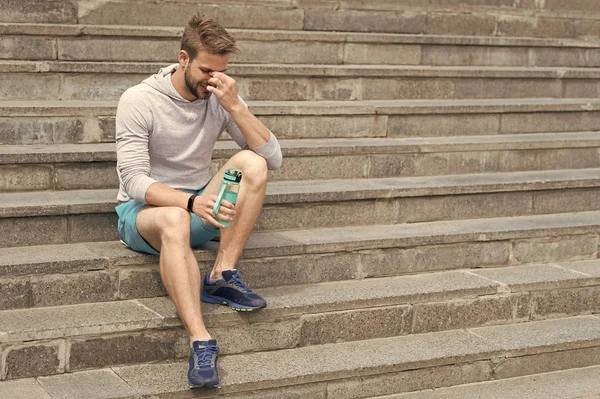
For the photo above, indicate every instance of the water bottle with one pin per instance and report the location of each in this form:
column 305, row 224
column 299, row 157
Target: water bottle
column 230, row 186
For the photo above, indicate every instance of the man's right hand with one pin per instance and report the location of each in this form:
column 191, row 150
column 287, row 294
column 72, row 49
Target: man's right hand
column 203, row 206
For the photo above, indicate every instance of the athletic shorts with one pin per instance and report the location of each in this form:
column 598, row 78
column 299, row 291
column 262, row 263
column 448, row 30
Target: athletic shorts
column 130, row 236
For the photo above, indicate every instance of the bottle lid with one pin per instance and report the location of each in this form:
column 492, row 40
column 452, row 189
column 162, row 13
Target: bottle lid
column 234, row 175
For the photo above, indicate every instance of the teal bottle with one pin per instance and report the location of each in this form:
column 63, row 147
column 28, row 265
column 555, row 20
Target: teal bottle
column 230, row 186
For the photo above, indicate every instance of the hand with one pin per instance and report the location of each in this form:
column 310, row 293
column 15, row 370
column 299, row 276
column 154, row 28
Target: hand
column 224, row 87
column 203, row 206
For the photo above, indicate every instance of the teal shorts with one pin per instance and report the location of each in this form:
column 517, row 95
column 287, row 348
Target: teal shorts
column 130, row 236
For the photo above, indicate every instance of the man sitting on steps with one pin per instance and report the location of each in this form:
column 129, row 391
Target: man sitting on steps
column 167, row 128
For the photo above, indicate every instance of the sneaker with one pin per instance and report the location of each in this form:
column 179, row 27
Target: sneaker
column 202, row 371
column 231, row 291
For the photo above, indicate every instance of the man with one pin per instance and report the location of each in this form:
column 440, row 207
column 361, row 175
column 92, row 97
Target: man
column 167, row 127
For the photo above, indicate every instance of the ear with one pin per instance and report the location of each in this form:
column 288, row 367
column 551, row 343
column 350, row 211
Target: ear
column 183, row 58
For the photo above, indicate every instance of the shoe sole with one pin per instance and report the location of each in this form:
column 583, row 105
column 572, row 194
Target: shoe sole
column 204, row 386
column 217, row 300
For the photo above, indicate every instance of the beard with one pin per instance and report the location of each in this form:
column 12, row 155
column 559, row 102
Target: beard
column 193, row 86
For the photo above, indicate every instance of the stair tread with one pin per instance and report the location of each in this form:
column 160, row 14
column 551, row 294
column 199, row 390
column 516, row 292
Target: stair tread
column 304, row 70
column 329, row 362
column 103, row 200
column 578, row 383
column 99, row 255
column 297, row 300
column 136, row 31
column 361, row 107
column 96, row 152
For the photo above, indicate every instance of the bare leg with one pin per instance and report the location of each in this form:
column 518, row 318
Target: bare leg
column 167, row 229
column 247, row 208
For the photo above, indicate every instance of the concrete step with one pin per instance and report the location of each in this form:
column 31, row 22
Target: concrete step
column 108, row 270
column 359, row 369
column 121, row 332
column 42, row 275
column 81, row 80
column 504, row 18
column 54, row 217
column 93, row 166
column 579, row 383
column 161, row 44
column 64, row 122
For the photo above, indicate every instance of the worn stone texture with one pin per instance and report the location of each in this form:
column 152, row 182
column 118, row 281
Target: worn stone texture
column 257, row 337
column 33, row 231
column 93, row 49
column 541, row 250
column 86, row 176
column 407, row 88
column 17, row 130
column 93, row 227
column 356, row 325
column 83, row 319
column 525, row 278
column 517, row 26
column 407, row 381
column 26, row 388
column 26, row 178
column 443, row 125
column 544, row 336
column 461, row 24
column 67, row 289
column 369, row 53
column 325, row 167
column 32, row 360
column 97, row 86
column 336, row 126
column 432, row 258
column 576, row 200
column 22, row 86
column 49, row 11
column 474, row 55
column 577, row 383
column 566, row 302
column 306, row 269
column 547, row 362
column 140, row 283
column 457, row 314
column 360, row 21
column 15, row 293
column 26, row 48
column 515, row 123
column 143, row 347
column 508, row 88
column 93, row 384
column 277, row 52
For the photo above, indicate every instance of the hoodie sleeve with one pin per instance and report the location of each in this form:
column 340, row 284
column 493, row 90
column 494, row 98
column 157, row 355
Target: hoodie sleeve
column 270, row 151
column 133, row 126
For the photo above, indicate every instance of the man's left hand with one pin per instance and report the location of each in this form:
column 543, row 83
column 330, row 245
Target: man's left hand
column 224, row 87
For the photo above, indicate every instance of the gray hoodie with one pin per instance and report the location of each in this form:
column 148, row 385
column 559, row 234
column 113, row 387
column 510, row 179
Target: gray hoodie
column 162, row 137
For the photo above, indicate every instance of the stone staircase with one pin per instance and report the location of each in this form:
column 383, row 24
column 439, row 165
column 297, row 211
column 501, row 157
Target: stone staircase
column 433, row 232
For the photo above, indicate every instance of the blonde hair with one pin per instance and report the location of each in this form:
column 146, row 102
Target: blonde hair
column 207, row 35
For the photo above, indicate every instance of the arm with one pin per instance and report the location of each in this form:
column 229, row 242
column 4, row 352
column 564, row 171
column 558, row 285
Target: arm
column 133, row 123
column 244, row 127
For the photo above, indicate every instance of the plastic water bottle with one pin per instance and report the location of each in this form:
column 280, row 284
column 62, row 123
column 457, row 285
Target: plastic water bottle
column 230, row 186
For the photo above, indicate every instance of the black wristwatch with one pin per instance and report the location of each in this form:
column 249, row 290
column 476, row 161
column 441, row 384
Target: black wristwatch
column 191, row 203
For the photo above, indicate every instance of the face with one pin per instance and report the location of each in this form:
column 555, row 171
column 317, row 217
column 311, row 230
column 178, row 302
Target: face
column 197, row 71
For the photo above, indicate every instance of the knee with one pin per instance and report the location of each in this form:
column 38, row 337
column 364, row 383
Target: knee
column 174, row 224
column 254, row 167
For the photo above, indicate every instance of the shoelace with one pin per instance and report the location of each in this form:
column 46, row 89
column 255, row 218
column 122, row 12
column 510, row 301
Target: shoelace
column 205, row 357
column 235, row 280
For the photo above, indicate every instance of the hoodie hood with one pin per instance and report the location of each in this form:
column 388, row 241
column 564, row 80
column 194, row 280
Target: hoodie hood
column 161, row 81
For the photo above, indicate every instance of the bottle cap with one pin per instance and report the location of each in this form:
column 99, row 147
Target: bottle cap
column 234, row 175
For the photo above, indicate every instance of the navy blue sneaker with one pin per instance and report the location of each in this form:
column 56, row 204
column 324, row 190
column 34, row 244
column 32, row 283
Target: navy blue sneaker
column 231, row 291
column 202, row 371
